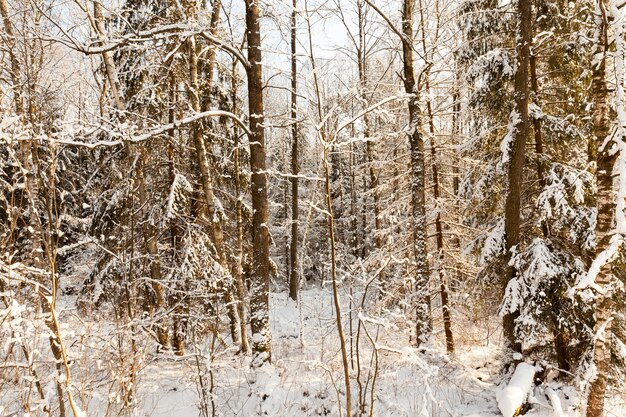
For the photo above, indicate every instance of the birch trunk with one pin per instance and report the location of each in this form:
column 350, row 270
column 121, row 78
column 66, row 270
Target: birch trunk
column 14, row 71
column 107, row 58
column 605, row 160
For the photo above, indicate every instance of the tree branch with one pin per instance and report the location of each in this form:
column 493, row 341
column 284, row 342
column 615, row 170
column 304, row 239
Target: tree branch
column 150, row 134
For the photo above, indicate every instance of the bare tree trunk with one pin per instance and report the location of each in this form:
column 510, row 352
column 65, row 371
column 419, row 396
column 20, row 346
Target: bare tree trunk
column 236, row 307
column 155, row 299
column 43, row 255
column 369, row 145
column 201, row 155
column 259, row 289
column 541, row 175
column 333, row 266
column 215, row 217
column 213, row 29
column 323, row 135
column 238, row 272
column 512, row 215
column 418, row 191
column 294, row 277
column 606, row 206
column 45, row 237
column 178, row 325
column 107, row 57
column 443, row 279
column 15, row 65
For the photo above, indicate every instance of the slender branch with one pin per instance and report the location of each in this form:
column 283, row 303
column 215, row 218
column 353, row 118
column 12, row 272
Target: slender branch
column 150, row 134
column 108, row 45
column 371, row 109
column 393, row 28
column 235, row 52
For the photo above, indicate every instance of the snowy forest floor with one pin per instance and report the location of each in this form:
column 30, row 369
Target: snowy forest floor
column 305, row 379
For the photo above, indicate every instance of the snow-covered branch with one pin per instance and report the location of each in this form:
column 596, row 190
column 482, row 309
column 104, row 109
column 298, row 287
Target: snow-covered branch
column 148, row 135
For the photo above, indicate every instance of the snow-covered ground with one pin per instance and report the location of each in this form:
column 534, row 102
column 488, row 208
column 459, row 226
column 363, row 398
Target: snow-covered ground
column 306, row 379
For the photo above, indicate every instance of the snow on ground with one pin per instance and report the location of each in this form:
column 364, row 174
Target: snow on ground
column 306, row 380
column 514, row 394
column 306, row 377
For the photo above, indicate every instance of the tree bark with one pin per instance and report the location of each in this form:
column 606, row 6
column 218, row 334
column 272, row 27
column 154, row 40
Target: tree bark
column 443, row 279
column 333, row 265
column 418, row 180
column 259, row 288
column 240, row 286
column 541, row 175
column 369, row 145
column 512, row 215
column 606, row 205
column 18, row 101
column 107, row 58
column 294, row 277
column 213, row 29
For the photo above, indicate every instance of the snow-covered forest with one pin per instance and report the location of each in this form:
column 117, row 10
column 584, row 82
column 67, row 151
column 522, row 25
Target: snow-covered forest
column 312, row 208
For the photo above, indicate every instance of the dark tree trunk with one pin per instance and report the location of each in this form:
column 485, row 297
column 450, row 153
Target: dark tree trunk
column 541, row 176
column 259, row 288
column 294, row 277
column 443, row 279
column 418, row 180
column 517, row 160
column 370, row 150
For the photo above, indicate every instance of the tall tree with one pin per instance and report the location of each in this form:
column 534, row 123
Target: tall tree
column 259, row 287
column 437, row 186
column 417, row 157
column 521, row 126
column 14, row 71
column 546, row 264
column 202, row 159
column 605, row 161
column 370, row 147
column 294, row 277
column 418, row 180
